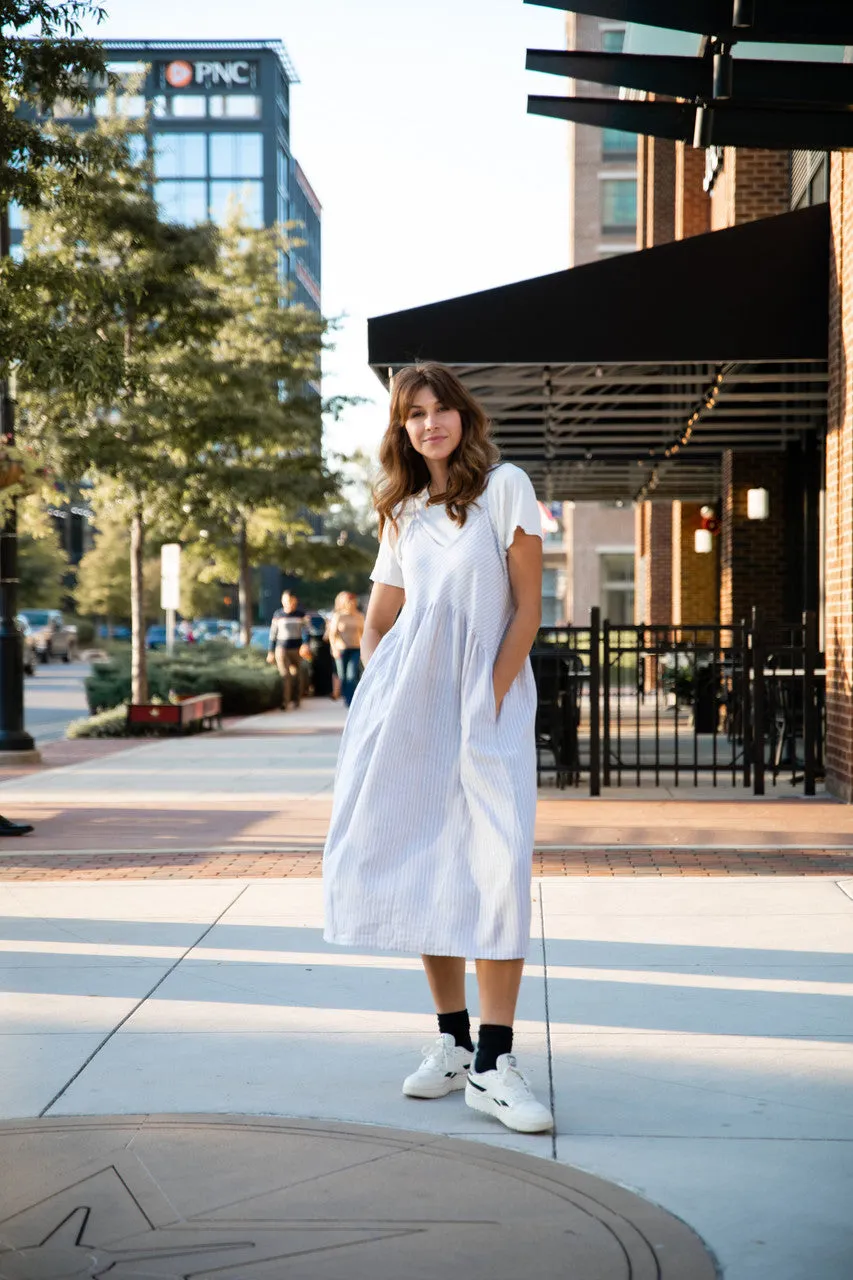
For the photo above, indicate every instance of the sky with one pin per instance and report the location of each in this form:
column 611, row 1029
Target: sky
column 410, row 122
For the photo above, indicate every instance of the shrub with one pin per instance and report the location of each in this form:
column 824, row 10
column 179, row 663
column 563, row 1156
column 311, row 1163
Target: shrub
column 106, row 724
column 247, row 686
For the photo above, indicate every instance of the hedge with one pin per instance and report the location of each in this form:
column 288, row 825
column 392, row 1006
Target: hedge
column 247, row 684
column 107, row 724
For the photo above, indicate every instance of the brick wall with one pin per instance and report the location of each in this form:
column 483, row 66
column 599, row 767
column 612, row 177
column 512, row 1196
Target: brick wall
column 752, row 552
column 692, row 203
column 694, row 575
column 657, row 545
column 839, row 488
column 752, row 184
column 659, row 181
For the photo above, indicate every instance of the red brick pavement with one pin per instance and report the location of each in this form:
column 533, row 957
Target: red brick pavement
column 307, row 865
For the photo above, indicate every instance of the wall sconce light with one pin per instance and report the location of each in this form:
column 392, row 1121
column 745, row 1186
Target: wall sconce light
column 703, row 541
column 757, row 504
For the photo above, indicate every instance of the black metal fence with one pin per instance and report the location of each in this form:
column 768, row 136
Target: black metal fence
column 680, row 705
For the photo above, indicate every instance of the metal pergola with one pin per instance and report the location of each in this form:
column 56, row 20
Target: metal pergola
column 683, row 351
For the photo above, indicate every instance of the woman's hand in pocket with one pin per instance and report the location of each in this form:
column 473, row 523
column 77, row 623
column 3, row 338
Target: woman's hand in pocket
column 499, row 695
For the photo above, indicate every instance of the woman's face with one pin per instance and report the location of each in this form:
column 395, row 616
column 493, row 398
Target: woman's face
column 434, row 429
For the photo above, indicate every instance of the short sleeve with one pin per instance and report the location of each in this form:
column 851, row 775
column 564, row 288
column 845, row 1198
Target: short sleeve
column 387, row 568
column 513, row 503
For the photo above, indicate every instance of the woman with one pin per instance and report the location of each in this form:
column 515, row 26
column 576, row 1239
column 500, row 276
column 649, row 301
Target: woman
column 431, row 838
column 346, row 627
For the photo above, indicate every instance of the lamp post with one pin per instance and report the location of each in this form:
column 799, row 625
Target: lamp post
column 13, row 736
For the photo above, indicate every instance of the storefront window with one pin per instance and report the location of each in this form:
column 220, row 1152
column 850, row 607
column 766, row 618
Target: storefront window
column 618, row 203
column 236, row 155
column 180, row 155
column 616, row 570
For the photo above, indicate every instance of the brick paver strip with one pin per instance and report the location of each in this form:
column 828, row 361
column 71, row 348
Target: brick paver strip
column 308, row 864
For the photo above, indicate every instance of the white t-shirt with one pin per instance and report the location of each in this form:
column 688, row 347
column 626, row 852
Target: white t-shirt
column 511, row 502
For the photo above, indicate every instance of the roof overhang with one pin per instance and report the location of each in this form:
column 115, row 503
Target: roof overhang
column 593, row 376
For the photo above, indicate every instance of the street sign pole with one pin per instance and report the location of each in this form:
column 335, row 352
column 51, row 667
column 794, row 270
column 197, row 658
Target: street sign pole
column 170, row 587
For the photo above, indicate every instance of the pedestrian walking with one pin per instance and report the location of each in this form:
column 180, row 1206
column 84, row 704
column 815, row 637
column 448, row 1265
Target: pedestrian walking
column 431, row 838
column 320, row 657
column 346, row 628
column 286, row 629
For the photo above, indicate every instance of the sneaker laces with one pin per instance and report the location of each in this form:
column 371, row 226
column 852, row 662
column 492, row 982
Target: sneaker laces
column 514, row 1082
column 434, row 1053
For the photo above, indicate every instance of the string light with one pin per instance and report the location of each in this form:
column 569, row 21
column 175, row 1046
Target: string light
column 707, row 403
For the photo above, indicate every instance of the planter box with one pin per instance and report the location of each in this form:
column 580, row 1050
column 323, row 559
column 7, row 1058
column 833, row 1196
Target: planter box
column 189, row 713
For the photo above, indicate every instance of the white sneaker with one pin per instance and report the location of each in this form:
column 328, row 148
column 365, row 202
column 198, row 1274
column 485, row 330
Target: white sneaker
column 443, row 1069
column 506, row 1095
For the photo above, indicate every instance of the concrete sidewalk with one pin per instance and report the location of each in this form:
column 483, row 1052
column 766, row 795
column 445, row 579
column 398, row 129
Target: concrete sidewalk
column 694, row 1035
column 696, row 1038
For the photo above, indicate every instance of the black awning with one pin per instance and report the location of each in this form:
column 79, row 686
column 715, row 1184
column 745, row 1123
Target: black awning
column 634, row 373
column 754, row 292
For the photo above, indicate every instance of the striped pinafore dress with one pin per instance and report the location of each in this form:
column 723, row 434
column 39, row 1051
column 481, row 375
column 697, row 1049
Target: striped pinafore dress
column 431, row 836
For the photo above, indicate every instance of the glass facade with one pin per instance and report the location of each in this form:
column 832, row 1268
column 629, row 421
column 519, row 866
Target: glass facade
column 218, row 118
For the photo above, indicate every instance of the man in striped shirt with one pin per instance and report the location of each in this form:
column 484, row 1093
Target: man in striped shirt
column 286, row 630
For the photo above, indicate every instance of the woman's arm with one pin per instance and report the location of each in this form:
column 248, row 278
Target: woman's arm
column 524, row 562
column 382, row 609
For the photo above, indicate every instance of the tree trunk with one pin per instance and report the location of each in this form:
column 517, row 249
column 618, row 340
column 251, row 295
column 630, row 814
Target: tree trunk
column 244, row 586
column 138, row 664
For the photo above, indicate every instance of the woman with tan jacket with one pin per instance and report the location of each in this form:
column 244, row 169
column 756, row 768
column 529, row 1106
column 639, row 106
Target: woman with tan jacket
column 346, row 627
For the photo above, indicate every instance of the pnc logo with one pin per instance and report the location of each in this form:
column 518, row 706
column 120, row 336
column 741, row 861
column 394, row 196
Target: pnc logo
column 179, row 74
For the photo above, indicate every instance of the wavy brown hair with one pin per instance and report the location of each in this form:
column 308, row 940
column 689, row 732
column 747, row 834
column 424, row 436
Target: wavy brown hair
column 404, row 470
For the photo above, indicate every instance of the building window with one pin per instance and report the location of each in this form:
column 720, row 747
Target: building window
column 192, row 106
column 612, row 40
column 236, row 155
column 615, row 142
column 65, row 109
column 130, row 105
column 226, row 196
column 184, row 202
column 137, row 147
column 17, row 216
column 180, row 155
column 616, row 576
column 235, row 106
column 618, row 203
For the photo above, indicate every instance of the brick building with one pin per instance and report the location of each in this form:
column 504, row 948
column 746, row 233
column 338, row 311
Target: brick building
column 710, row 383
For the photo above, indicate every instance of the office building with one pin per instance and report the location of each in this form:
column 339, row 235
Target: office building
column 219, row 123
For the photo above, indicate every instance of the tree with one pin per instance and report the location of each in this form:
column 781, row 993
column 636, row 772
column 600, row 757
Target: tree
column 42, row 563
column 103, row 575
column 34, row 73
column 250, row 491
column 101, row 263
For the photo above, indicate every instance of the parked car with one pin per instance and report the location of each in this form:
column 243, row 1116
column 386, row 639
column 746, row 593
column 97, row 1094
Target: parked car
column 119, row 632
column 51, row 637
column 260, row 637
column 30, row 654
column 155, row 637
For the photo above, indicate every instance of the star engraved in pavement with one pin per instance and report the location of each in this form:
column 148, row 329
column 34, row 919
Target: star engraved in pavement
column 96, row 1228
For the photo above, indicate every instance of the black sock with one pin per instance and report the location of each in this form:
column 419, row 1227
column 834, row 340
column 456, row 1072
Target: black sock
column 457, row 1025
column 492, row 1042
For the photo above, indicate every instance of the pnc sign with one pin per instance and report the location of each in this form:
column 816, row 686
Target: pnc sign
column 181, row 74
